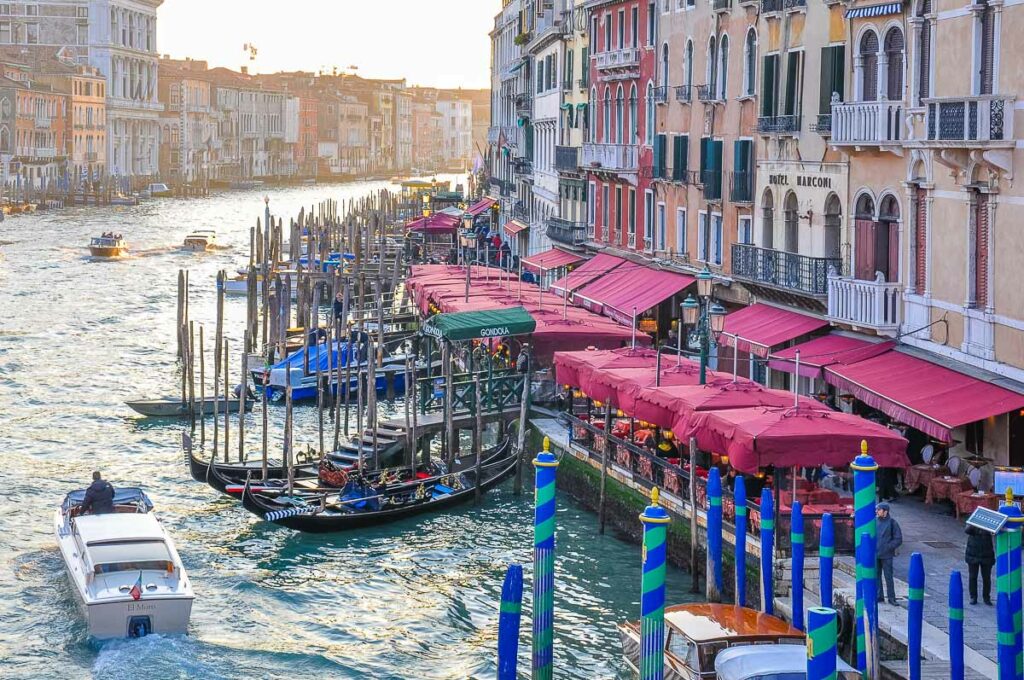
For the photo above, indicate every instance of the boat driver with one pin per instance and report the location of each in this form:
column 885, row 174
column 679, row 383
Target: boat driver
column 99, row 497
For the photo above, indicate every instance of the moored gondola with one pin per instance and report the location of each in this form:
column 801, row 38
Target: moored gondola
column 221, row 475
column 359, row 505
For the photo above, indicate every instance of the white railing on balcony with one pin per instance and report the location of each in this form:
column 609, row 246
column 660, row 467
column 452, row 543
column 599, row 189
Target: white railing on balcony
column 877, row 305
column 624, row 58
column 867, row 123
column 619, row 157
column 981, row 118
column 43, row 121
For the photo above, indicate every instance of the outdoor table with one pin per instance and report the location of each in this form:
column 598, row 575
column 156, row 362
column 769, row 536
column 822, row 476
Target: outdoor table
column 921, row 475
column 946, row 489
column 822, row 497
column 969, row 501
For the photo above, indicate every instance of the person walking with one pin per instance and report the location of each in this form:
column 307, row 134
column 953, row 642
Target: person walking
column 980, row 556
column 890, row 538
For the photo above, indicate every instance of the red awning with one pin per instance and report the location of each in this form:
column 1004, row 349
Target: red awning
column 630, row 288
column 436, row 223
column 573, row 368
column 550, row 259
column 481, row 206
column 758, row 328
column 599, row 265
column 513, row 227
column 827, row 350
column 926, row 396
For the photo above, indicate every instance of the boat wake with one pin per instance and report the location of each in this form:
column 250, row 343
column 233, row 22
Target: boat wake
column 165, row 655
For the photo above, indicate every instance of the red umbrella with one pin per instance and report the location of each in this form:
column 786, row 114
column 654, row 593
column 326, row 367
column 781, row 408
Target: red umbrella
column 624, row 384
column 572, row 367
column 757, row 437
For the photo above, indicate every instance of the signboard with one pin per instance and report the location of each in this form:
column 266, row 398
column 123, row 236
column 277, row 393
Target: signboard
column 987, row 520
column 1009, row 479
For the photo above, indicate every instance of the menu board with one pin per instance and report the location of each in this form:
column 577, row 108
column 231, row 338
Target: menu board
column 1009, row 479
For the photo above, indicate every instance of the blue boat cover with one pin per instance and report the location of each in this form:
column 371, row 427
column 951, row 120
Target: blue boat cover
column 122, row 496
column 338, row 352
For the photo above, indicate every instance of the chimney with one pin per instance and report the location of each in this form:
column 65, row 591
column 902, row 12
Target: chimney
column 245, row 70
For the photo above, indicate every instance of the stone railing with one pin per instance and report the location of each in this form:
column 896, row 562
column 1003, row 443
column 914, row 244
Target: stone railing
column 867, row 123
column 865, row 304
column 617, row 157
column 982, row 118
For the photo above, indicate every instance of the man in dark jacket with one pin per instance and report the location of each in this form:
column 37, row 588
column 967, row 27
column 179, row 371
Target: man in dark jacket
column 99, row 497
column 980, row 556
column 890, row 538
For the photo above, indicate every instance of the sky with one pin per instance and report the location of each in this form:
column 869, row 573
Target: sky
column 442, row 43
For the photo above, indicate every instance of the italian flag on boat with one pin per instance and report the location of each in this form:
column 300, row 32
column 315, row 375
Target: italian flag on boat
column 136, row 591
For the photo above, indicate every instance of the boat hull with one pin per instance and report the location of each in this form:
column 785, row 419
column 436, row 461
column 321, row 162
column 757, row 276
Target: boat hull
column 114, row 620
column 173, row 408
column 102, row 251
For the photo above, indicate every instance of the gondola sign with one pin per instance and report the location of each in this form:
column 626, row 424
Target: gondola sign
column 987, row 520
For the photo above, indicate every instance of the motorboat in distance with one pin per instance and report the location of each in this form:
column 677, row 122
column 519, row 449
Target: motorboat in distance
column 124, row 569
column 201, row 240
column 108, row 246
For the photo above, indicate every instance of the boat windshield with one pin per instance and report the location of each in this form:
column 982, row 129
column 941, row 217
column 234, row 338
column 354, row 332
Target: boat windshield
column 130, row 556
column 682, row 648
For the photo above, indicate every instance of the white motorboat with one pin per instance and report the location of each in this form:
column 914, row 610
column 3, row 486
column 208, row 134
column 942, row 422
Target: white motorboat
column 124, row 569
column 201, row 240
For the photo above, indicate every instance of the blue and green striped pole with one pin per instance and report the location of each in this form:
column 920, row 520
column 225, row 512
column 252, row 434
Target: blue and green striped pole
column 652, row 590
column 1008, row 574
column 1005, row 656
column 826, row 558
column 867, row 590
column 714, row 560
column 956, row 626
column 767, row 552
column 796, row 540
column 864, row 468
column 739, row 495
column 544, row 563
column 508, row 622
column 821, row 644
column 915, row 609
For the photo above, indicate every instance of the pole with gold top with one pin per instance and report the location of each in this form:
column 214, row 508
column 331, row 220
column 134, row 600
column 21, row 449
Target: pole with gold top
column 864, row 468
column 652, row 590
column 545, row 465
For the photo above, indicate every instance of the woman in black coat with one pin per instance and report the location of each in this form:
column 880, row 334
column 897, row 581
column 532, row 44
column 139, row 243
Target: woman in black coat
column 980, row 556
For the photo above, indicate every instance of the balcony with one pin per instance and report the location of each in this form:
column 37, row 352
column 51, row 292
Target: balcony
column 524, row 104
column 583, row 83
column 43, row 121
column 824, row 125
column 768, row 6
column 567, row 233
column 522, row 166
column 741, row 187
column 785, row 271
column 721, row 5
column 493, row 133
column 613, row 157
column 683, row 93
column 978, row 120
column 567, row 158
column 875, row 305
column 706, row 93
column 870, row 124
column 567, row 84
column 91, row 156
column 520, row 212
column 628, row 57
column 661, row 94
column 778, row 125
column 711, row 185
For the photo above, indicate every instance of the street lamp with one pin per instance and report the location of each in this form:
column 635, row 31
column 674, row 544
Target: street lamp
column 466, row 240
column 706, row 317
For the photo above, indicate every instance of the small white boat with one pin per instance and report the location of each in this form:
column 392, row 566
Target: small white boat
column 124, row 569
column 201, row 240
column 108, row 246
column 159, row 190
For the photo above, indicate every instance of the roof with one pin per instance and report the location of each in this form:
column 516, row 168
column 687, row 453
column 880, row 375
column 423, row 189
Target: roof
column 758, row 328
column 513, row 227
column 826, row 351
column 491, row 323
column 757, row 661
column 591, row 269
column 924, row 395
column 706, row 622
column 630, row 290
column 550, row 259
column 118, row 527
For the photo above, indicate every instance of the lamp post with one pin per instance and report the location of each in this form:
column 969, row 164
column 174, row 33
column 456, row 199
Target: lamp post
column 466, row 240
column 706, row 317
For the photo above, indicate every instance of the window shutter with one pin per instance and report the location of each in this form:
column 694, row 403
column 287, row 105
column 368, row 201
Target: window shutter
column 981, row 250
column 869, row 59
column 921, row 238
column 677, row 158
column 987, row 49
column 570, row 68
column 716, row 167
column 768, row 74
column 924, row 76
column 839, row 71
column 894, row 76
column 792, row 83
column 894, row 250
column 703, row 155
column 660, row 155
column 864, row 264
column 827, row 73
column 657, row 156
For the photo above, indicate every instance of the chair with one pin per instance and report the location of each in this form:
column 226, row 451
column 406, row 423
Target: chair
column 974, row 477
column 927, row 453
column 954, row 466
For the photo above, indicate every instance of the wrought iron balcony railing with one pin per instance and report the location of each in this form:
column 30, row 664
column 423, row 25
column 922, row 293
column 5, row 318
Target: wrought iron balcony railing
column 786, row 271
column 567, row 232
column 741, row 187
column 982, row 118
column 778, row 125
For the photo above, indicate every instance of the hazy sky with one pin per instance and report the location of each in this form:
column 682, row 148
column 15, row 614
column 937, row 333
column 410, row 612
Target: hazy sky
column 429, row 42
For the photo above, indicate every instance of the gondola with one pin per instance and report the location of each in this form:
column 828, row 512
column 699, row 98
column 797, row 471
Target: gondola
column 326, row 513
column 175, row 408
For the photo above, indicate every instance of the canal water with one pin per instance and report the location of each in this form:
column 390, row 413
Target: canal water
column 417, row 599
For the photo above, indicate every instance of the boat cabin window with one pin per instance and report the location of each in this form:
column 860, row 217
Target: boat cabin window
column 708, row 652
column 681, row 647
column 130, row 556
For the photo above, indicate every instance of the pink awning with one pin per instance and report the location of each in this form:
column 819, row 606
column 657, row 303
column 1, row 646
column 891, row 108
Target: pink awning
column 513, row 227
column 481, row 206
column 827, row 350
column 754, row 438
column 758, row 328
column 572, row 368
column 622, row 385
column 436, row 223
column 550, row 259
column 926, row 396
column 631, row 288
column 597, row 266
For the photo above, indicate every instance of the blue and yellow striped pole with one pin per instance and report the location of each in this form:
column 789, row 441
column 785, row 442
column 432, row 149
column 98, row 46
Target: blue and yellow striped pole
column 796, row 540
column 652, row 590
column 826, row 558
column 739, row 495
column 956, row 626
column 544, row 563
column 864, row 468
column 508, row 622
column 767, row 552
column 714, row 561
column 821, row 644
column 915, row 609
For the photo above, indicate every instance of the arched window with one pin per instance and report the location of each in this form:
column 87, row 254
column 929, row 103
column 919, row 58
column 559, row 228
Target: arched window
column 924, row 50
column 606, row 132
column 768, row 220
column 868, row 67
column 985, row 54
column 591, row 120
column 887, row 234
column 5, row 139
column 619, row 116
column 663, row 75
column 633, row 116
column 723, row 66
column 709, row 75
column 688, row 77
column 750, row 63
column 792, row 218
column 649, row 123
column 833, row 226
column 894, row 64
column 865, row 208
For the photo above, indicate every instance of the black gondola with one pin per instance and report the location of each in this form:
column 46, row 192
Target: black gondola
column 315, row 515
column 219, row 475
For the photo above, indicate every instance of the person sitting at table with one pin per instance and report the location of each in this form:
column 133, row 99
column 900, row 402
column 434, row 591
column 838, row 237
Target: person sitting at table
column 980, row 556
column 667, row 448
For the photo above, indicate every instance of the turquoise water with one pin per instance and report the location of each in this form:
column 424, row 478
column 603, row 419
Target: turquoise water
column 414, row 600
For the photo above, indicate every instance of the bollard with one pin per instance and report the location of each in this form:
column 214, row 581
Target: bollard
column 1005, row 654
column 508, row 622
column 544, row 563
column 767, row 552
column 826, row 558
column 714, row 559
column 915, row 608
column 740, row 499
column 652, row 590
column 956, row 626
column 864, row 468
column 821, row 643
column 796, row 540
column 867, row 590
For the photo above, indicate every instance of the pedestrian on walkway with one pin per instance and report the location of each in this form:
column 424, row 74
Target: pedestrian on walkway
column 980, row 556
column 890, row 538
